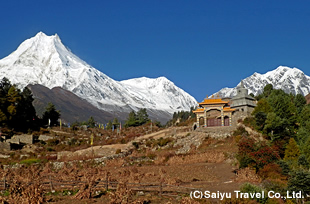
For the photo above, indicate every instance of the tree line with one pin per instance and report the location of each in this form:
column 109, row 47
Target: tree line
column 134, row 119
column 17, row 112
column 283, row 157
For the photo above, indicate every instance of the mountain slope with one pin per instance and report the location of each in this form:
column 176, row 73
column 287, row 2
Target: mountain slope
column 45, row 60
column 72, row 107
column 291, row 80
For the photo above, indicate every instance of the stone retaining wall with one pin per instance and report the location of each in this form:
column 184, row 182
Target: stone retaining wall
column 25, row 139
column 217, row 132
column 5, row 146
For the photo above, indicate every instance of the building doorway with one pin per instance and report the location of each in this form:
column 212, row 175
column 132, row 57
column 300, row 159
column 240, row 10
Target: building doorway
column 212, row 122
column 226, row 121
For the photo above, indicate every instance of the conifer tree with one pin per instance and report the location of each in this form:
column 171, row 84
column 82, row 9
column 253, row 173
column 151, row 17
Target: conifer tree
column 304, row 116
column 292, row 151
column 91, row 122
column 299, row 181
column 300, row 102
column 262, row 106
column 142, row 116
column 14, row 99
column 51, row 114
column 131, row 120
column 306, row 149
column 303, row 162
column 109, row 125
column 16, row 109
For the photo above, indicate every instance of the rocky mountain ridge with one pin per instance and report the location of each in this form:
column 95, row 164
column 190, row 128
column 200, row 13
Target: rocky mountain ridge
column 291, row 80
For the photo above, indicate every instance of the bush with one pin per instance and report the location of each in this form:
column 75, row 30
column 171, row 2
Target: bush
column 136, row 144
column 245, row 161
column 250, row 188
column 163, row 141
column 249, row 121
column 52, row 142
column 256, row 154
column 151, row 155
column 30, row 161
column 240, row 131
column 264, row 155
column 272, row 171
column 275, row 185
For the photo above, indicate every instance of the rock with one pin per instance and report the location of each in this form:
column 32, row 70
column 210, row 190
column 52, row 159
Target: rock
column 45, row 138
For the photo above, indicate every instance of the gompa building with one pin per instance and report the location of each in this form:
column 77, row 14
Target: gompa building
column 217, row 111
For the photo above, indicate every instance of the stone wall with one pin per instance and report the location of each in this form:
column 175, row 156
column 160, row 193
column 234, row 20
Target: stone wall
column 25, row 139
column 238, row 115
column 45, row 137
column 5, row 146
column 219, row 132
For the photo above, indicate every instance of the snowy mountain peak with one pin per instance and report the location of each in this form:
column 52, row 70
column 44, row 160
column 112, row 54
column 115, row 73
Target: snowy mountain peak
column 46, row 61
column 291, row 80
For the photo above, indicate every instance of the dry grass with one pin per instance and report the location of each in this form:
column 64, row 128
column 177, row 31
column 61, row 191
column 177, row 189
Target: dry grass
column 247, row 175
column 202, row 167
column 211, row 156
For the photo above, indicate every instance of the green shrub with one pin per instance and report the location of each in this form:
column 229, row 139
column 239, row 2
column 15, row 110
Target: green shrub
column 149, row 143
column 249, row 121
column 151, row 155
column 73, row 141
column 299, row 181
column 250, row 188
column 240, row 131
column 30, row 161
column 163, row 141
column 5, row 193
column 50, row 149
column 52, row 142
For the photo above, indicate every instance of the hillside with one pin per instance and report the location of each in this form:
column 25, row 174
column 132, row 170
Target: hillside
column 308, row 98
column 72, row 107
column 144, row 158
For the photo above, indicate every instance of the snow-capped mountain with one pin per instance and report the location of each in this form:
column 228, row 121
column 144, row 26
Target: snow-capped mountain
column 46, row 61
column 291, row 80
column 159, row 91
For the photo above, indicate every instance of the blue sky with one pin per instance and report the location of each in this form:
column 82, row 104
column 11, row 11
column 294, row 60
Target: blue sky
column 201, row 45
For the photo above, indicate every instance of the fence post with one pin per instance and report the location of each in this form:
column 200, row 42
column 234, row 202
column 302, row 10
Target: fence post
column 51, row 184
column 107, row 180
column 4, row 183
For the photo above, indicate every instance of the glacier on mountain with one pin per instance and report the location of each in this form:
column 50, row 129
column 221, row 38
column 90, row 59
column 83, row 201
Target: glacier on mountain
column 45, row 60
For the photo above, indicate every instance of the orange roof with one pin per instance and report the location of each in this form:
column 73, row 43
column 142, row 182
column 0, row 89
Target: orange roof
column 228, row 109
column 213, row 101
column 198, row 110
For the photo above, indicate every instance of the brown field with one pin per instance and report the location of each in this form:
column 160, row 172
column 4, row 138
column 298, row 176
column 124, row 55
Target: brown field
column 212, row 166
